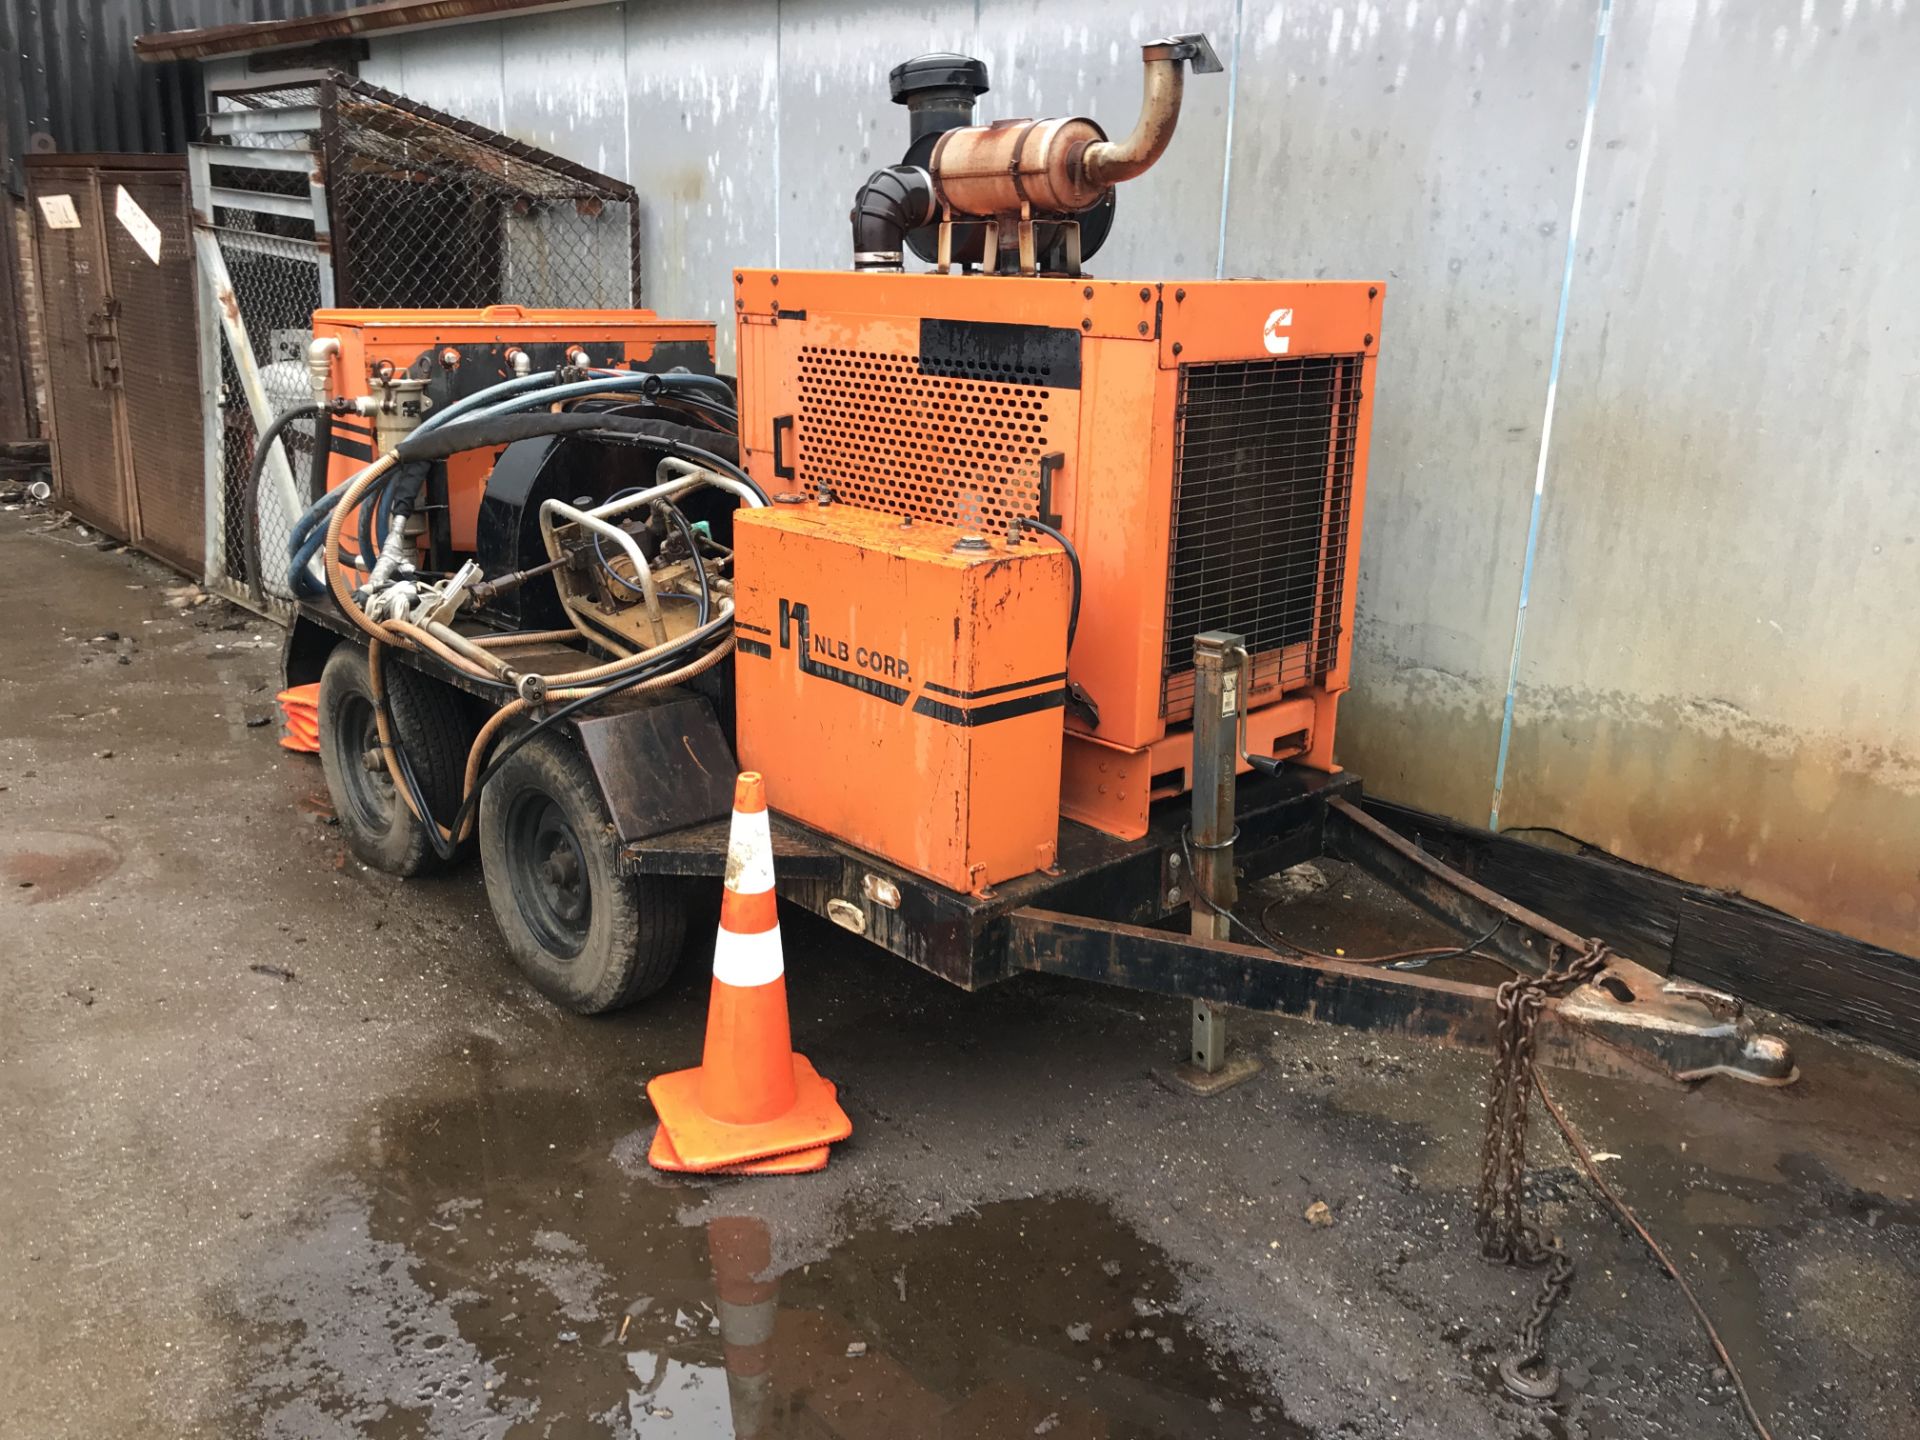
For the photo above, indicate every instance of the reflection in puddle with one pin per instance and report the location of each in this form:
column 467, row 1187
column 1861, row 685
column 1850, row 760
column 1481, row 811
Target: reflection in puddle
column 488, row 1271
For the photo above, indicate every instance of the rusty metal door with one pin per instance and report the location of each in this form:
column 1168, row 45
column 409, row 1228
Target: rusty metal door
column 82, row 357
column 151, row 276
column 115, row 247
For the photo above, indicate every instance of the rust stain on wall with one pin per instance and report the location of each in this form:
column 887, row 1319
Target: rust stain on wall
column 1420, row 737
column 1825, row 830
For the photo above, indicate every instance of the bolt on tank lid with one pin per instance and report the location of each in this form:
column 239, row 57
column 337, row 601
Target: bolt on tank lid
column 941, row 70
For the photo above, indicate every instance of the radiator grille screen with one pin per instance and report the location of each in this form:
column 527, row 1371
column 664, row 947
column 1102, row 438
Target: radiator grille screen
column 950, row 449
column 1263, row 478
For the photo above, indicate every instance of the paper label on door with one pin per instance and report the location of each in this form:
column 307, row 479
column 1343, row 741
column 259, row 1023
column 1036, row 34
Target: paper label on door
column 145, row 233
column 59, row 212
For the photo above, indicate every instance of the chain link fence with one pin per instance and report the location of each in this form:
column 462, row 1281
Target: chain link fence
column 339, row 193
column 276, row 286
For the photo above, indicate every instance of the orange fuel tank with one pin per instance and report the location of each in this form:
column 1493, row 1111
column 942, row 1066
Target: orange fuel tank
column 459, row 352
column 901, row 683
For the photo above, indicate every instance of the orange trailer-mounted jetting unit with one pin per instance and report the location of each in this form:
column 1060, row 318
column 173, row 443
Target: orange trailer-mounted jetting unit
column 1030, row 592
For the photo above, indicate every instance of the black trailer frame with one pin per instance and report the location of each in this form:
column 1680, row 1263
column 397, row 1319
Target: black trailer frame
column 1100, row 912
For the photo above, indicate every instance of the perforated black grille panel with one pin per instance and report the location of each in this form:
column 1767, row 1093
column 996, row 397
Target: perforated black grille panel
column 879, row 431
column 1263, row 478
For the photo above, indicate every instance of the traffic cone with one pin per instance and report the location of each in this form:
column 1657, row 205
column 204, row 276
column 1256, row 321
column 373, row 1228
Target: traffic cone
column 300, row 712
column 747, row 1307
column 662, row 1156
column 751, row 1097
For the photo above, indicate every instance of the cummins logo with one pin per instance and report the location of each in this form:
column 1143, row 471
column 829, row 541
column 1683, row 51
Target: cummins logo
column 1275, row 332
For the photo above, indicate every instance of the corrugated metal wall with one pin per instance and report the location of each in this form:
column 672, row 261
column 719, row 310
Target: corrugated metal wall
column 67, row 70
column 1721, row 675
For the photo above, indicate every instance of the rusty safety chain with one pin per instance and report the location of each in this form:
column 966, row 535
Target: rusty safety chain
column 1506, row 1233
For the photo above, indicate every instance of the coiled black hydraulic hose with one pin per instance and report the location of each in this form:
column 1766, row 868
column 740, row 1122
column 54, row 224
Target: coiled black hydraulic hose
column 250, row 498
column 449, row 440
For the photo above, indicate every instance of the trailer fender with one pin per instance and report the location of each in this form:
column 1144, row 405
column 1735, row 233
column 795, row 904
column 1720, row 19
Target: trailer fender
column 304, row 650
column 661, row 764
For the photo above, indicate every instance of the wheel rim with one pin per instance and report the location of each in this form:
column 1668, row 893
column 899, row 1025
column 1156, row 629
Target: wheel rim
column 548, row 870
column 369, row 790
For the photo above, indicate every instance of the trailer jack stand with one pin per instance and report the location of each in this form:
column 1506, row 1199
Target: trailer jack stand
column 1211, row 1066
column 1214, row 1063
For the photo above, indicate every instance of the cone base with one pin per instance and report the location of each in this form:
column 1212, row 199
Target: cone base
column 704, row 1143
column 662, row 1156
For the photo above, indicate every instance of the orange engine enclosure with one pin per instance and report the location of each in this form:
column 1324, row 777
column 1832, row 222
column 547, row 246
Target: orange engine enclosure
column 835, row 389
column 900, row 694
column 415, row 341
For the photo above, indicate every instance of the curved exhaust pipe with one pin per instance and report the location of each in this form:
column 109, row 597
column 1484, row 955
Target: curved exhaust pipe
column 1163, row 82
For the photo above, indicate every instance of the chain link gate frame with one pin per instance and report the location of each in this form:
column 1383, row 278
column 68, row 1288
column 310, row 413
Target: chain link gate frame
column 337, row 192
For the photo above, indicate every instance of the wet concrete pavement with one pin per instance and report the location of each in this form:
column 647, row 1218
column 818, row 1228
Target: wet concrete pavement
column 399, row 1195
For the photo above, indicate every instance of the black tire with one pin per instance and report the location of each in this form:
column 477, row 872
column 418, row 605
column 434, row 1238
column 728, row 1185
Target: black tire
column 588, row 937
column 434, row 729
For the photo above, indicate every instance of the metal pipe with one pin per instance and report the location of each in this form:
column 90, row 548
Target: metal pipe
column 1108, row 162
column 650, row 595
column 393, row 553
column 1061, row 166
column 320, row 355
column 452, row 638
column 674, row 467
column 1216, row 724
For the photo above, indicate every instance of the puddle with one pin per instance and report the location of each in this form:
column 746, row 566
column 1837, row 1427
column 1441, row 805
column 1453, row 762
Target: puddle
column 54, row 864
column 491, row 1269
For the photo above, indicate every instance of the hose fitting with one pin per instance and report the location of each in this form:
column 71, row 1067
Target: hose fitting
column 320, row 355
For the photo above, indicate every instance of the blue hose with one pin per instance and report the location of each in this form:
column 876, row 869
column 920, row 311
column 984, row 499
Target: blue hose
column 560, row 392
column 317, row 512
